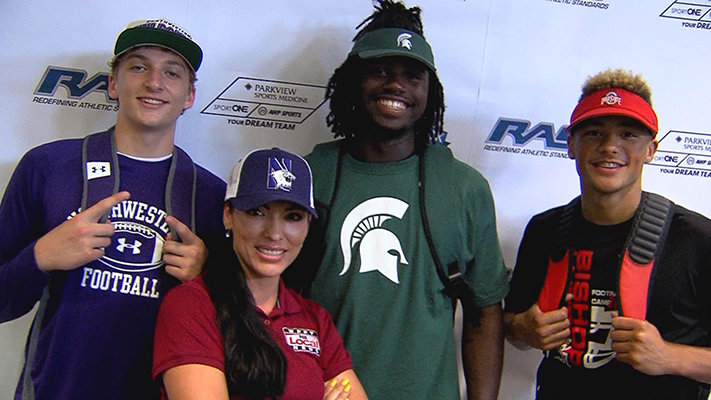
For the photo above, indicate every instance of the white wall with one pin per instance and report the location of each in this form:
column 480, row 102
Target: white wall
column 518, row 60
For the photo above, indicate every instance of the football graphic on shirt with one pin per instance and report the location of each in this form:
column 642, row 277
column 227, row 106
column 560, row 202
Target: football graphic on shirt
column 134, row 248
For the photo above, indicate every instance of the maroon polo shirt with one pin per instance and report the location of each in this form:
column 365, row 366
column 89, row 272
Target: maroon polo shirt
column 186, row 333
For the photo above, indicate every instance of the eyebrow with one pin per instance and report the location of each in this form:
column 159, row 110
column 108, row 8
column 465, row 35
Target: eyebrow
column 144, row 58
column 292, row 207
column 632, row 123
column 136, row 55
column 178, row 63
column 597, row 122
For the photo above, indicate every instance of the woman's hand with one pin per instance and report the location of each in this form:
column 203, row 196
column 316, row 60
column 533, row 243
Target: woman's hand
column 337, row 391
column 344, row 386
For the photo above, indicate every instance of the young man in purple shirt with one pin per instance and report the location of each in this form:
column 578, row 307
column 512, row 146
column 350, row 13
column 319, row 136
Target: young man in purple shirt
column 98, row 229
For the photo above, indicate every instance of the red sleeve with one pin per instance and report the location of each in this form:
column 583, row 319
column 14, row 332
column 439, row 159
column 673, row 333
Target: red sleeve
column 186, row 331
column 334, row 357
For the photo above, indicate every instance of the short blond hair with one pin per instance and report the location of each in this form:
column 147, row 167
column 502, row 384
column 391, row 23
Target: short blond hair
column 618, row 78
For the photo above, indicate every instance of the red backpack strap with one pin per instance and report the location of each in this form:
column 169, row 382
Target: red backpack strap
column 642, row 248
column 558, row 274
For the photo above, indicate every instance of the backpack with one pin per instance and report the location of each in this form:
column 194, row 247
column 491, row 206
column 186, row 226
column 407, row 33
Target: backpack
column 636, row 269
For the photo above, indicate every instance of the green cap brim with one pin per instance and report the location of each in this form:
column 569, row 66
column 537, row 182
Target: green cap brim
column 387, row 42
column 142, row 36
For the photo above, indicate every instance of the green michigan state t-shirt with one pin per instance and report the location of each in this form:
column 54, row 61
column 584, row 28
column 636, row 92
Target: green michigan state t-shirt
column 379, row 281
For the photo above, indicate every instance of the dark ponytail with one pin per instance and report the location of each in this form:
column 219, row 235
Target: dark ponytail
column 255, row 366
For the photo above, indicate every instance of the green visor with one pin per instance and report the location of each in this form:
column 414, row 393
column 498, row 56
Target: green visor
column 387, row 42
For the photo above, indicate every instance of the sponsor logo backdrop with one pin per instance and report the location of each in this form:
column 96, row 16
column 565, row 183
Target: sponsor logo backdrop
column 511, row 69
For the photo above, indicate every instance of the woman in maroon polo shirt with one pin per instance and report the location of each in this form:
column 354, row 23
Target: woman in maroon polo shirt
column 237, row 331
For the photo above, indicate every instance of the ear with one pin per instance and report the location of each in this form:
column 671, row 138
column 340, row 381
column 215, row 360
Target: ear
column 190, row 98
column 112, row 87
column 227, row 217
column 651, row 150
column 571, row 150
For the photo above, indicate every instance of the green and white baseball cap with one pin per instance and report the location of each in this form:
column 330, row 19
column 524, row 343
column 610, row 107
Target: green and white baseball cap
column 163, row 33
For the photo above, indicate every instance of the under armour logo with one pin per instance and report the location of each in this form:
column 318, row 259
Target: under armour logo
column 97, row 169
column 403, row 40
column 134, row 247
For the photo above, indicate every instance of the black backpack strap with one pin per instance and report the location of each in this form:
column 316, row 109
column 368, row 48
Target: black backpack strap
column 558, row 275
column 636, row 270
column 643, row 246
column 178, row 190
column 455, row 286
column 100, row 170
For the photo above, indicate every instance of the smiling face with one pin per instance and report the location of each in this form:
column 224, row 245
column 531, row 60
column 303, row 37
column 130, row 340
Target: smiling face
column 394, row 92
column 610, row 152
column 153, row 87
column 268, row 238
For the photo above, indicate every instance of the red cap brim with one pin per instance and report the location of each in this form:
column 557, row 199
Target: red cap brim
column 615, row 101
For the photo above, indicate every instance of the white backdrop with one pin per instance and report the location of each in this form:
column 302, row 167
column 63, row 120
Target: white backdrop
column 512, row 71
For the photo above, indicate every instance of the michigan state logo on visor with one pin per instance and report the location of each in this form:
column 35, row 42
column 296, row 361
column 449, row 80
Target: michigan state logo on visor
column 403, row 40
column 280, row 175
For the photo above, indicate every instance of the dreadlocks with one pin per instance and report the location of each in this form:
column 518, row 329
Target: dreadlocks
column 344, row 91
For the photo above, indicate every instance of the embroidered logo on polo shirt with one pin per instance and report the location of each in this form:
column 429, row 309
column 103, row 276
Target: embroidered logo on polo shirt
column 302, row 340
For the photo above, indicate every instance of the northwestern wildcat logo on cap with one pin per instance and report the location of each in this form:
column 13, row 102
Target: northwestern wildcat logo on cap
column 611, row 98
column 280, row 175
column 404, row 40
column 288, row 178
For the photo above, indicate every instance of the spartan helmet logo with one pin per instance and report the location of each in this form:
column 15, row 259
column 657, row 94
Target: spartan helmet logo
column 364, row 225
column 403, row 40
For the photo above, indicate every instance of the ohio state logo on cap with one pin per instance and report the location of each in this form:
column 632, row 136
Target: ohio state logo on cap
column 611, row 98
column 609, row 101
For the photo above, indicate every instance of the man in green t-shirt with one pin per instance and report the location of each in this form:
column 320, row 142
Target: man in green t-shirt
column 371, row 262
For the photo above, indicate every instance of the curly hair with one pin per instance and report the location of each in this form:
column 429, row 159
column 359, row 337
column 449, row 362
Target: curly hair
column 344, row 88
column 618, row 78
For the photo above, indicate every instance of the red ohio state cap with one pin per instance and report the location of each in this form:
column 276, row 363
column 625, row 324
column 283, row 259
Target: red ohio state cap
column 614, row 101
